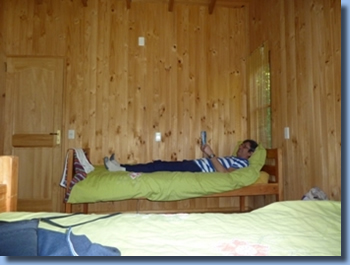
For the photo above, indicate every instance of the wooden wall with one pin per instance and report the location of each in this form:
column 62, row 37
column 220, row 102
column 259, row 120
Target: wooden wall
column 305, row 43
column 2, row 80
column 118, row 94
column 2, row 97
column 190, row 76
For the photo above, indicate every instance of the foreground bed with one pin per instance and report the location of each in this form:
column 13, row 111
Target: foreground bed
column 290, row 228
column 262, row 177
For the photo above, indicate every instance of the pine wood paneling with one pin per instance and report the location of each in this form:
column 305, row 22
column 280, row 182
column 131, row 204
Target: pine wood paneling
column 187, row 78
column 2, row 78
column 2, row 94
column 305, row 40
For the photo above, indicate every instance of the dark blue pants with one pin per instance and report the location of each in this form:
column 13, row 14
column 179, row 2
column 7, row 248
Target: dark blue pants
column 158, row 165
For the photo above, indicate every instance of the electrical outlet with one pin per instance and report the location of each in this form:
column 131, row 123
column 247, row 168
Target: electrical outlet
column 141, row 41
column 158, row 137
column 286, row 133
column 71, row 134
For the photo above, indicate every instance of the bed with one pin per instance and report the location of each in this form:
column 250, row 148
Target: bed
column 262, row 177
column 286, row 228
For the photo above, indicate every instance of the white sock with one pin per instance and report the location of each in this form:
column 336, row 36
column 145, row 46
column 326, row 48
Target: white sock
column 112, row 159
column 111, row 166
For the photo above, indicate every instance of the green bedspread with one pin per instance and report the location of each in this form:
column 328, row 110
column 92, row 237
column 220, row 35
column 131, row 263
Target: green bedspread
column 289, row 228
column 102, row 185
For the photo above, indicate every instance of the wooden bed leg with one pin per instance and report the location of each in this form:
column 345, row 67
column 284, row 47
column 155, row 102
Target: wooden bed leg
column 242, row 203
column 68, row 208
column 85, row 208
column 70, row 172
column 280, row 175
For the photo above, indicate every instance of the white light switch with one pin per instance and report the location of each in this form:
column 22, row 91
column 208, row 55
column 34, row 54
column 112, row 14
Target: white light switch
column 158, row 137
column 71, row 134
column 141, row 41
column 286, row 133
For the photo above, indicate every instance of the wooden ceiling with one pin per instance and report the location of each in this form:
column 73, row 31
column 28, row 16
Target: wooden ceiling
column 210, row 3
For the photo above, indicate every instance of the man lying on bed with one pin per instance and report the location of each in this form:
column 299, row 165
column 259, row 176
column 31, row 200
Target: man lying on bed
column 210, row 163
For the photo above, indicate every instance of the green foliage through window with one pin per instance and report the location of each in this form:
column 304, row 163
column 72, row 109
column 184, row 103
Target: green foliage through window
column 259, row 96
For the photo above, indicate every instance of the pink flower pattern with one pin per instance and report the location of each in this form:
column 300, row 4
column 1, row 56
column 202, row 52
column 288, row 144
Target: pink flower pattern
column 243, row 248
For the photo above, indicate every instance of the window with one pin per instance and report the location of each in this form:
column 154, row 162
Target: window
column 259, row 98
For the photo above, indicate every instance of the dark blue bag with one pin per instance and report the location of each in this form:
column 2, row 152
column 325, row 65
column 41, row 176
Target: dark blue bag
column 24, row 238
column 19, row 238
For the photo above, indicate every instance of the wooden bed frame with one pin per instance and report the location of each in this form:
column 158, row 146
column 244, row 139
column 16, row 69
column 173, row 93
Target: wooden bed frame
column 8, row 183
column 273, row 166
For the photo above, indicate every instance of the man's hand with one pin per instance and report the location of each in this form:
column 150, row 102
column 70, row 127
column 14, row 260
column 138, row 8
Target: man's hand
column 206, row 149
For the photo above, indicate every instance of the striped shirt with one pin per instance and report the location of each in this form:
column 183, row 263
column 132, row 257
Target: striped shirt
column 228, row 161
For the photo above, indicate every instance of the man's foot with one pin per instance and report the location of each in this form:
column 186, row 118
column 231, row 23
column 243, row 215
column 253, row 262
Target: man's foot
column 112, row 159
column 105, row 161
column 111, row 166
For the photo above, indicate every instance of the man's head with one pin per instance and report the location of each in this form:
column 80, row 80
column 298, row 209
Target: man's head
column 247, row 148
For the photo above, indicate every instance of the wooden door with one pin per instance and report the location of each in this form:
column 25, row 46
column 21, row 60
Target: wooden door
column 34, row 96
